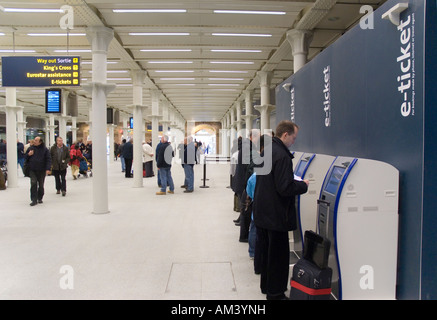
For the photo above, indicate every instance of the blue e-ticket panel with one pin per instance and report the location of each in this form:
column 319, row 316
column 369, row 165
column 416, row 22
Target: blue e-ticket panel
column 40, row 71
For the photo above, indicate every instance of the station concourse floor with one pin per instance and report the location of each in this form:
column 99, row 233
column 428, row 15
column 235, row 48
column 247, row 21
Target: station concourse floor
column 181, row 246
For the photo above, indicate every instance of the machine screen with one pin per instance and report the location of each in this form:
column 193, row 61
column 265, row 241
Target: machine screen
column 301, row 166
column 334, row 179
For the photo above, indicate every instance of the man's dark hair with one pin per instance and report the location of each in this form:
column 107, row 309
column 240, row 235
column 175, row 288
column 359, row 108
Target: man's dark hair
column 286, row 126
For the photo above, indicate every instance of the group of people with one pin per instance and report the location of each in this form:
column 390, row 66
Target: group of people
column 39, row 161
column 163, row 155
column 265, row 190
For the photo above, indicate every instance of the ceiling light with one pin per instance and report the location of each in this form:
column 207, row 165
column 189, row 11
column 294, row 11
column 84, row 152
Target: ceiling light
column 55, row 34
column 224, row 84
column 174, row 71
column 2, row 34
column 169, row 62
column 251, row 12
column 227, row 71
column 177, row 79
column 29, row 10
column 16, row 51
column 159, row 33
column 73, row 50
column 149, row 10
column 166, row 50
column 119, row 79
column 242, row 35
column 226, row 79
column 232, row 62
column 113, row 71
column 236, row 50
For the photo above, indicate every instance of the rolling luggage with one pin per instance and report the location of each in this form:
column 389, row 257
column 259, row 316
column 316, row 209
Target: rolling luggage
column 309, row 282
column 311, row 279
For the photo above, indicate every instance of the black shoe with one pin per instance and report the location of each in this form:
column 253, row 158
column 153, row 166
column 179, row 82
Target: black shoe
column 237, row 224
column 39, row 201
column 58, row 192
column 277, row 297
column 244, row 240
column 33, row 203
column 236, row 220
column 63, row 193
column 188, row 191
column 184, row 186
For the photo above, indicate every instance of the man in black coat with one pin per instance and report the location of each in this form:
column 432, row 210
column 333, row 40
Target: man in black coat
column 275, row 213
column 60, row 155
column 128, row 155
column 39, row 162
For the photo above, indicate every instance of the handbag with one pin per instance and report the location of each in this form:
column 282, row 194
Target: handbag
column 26, row 168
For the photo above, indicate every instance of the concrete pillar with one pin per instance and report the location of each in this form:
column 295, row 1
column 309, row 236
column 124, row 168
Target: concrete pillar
column 265, row 108
column 99, row 38
column 51, row 129
column 138, row 77
column 111, row 130
column 11, row 136
column 155, row 117
column 239, row 122
column 21, row 126
column 299, row 41
column 249, row 116
column 73, row 130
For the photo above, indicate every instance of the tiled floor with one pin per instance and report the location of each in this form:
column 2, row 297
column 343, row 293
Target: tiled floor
column 181, row 246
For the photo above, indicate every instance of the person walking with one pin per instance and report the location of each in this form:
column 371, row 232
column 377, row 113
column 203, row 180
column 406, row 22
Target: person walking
column 128, row 155
column 20, row 154
column 188, row 164
column 165, row 157
column 274, row 211
column 39, row 161
column 75, row 157
column 60, row 158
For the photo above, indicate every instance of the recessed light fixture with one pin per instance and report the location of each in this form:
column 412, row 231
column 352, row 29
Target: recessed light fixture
column 166, row 50
column 232, row 62
column 177, row 79
column 227, row 71
column 252, row 12
column 31, row 10
column 149, row 10
column 55, row 34
column 174, row 71
column 236, row 50
column 170, row 62
column 226, row 79
column 73, row 50
column 16, row 51
column 242, row 35
column 159, row 33
column 224, row 84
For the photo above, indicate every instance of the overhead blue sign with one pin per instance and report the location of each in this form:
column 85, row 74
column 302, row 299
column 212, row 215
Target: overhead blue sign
column 40, row 71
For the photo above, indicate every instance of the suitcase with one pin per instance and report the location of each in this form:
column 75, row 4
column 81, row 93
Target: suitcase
column 310, row 282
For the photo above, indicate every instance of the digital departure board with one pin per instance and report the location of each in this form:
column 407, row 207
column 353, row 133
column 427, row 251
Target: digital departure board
column 53, row 100
column 40, row 71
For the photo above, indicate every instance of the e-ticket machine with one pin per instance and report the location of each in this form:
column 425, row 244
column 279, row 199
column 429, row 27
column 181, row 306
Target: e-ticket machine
column 358, row 213
column 312, row 167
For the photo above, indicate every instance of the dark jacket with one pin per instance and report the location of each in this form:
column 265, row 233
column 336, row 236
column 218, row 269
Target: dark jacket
column 165, row 155
column 245, row 155
column 128, row 150
column 40, row 160
column 275, row 193
column 60, row 164
column 189, row 154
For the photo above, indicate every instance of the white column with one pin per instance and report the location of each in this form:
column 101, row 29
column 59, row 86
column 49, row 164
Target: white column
column 99, row 38
column 249, row 116
column 155, row 122
column 51, row 128
column 11, row 136
column 299, row 41
column 138, row 77
column 111, row 130
column 239, row 122
column 21, row 126
column 73, row 130
column 265, row 108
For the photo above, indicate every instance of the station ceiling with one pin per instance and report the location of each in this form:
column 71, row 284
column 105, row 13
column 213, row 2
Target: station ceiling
column 201, row 55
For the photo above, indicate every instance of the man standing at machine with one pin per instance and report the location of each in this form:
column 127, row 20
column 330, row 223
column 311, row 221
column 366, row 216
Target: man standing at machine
column 275, row 213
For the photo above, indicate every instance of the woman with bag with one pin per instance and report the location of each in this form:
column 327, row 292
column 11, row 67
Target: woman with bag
column 75, row 156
